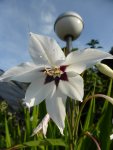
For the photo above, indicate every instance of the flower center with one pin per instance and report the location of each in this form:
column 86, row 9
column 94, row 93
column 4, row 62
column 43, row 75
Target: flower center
column 53, row 72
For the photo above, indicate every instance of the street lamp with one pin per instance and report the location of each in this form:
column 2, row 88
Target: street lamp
column 68, row 26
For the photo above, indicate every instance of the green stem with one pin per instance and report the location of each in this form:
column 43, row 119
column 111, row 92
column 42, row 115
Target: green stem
column 70, row 137
column 83, row 104
column 77, row 113
column 75, row 131
column 94, row 139
column 73, row 108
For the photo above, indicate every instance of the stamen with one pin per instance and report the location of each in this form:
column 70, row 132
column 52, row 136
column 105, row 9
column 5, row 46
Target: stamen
column 55, row 74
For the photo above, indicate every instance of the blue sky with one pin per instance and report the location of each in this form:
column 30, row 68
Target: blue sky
column 19, row 17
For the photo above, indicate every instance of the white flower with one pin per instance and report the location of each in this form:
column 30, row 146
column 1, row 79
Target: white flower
column 103, row 68
column 42, row 126
column 53, row 76
column 111, row 137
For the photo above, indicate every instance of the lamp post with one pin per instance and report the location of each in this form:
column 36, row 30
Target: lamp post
column 68, row 26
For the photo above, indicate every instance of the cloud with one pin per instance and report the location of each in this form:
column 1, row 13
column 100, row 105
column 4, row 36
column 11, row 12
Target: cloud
column 47, row 17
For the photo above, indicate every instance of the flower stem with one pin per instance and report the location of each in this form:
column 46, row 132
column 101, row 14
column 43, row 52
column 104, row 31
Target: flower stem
column 70, row 103
column 94, row 139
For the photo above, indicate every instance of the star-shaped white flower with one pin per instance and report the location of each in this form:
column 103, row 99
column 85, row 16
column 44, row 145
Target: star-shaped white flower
column 53, row 76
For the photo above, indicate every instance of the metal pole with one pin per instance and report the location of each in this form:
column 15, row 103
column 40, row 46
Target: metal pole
column 68, row 50
column 68, row 44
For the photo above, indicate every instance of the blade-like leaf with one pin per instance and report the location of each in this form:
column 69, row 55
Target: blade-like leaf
column 8, row 139
column 104, row 126
column 46, row 142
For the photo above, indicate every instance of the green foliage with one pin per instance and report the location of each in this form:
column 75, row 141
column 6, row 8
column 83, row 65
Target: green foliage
column 8, row 138
column 93, row 44
column 104, row 125
column 88, row 126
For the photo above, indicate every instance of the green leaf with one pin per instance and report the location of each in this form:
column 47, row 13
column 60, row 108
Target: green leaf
column 46, row 142
column 8, row 139
column 35, row 117
column 19, row 146
column 90, row 115
column 104, row 125
column 84, row 141
column 27, row 122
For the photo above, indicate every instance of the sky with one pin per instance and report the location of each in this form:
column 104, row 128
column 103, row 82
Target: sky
column 19, row 17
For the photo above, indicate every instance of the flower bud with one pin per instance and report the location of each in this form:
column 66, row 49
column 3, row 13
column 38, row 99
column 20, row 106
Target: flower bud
column 111, row 137
column 42, row 126
column 103, row 68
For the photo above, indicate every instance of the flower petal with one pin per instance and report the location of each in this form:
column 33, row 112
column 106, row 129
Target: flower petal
column 81, row 60
column 55, row 104
column 25, row 72
column 38, row 91
column 42, row 125
column 71, row 74
column 45, row 124
column 73, row 88
column 111, row 137
column 44, row 50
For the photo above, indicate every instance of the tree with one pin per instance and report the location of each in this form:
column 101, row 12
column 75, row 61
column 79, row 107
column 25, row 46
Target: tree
column 93, row 44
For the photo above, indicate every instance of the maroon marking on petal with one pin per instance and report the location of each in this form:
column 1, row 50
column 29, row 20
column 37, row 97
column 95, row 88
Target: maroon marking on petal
column 48, row 79
column 57, row 79
column 64, row 77
column 42, row 70
column 63, row 68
